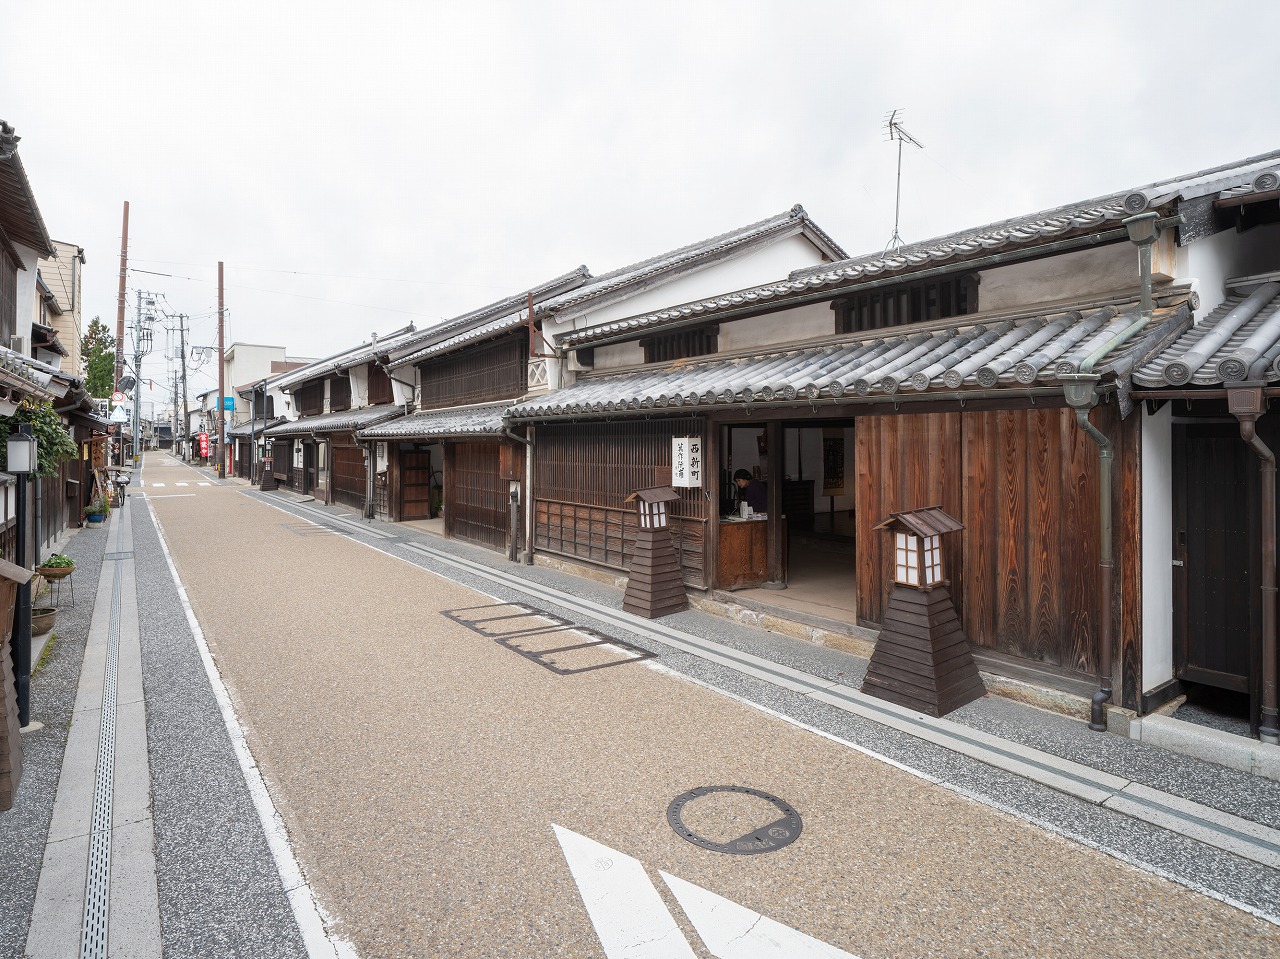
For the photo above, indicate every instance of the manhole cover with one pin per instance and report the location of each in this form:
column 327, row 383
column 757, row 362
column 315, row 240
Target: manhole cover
column 766, row 838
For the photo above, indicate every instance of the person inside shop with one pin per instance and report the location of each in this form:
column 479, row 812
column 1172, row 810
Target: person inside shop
column 753, row 492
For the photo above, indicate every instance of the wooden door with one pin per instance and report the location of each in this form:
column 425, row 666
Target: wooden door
column 416, row 485
column 1215, row 538
column 308, row 468
column 350, row 476
column 477, row 501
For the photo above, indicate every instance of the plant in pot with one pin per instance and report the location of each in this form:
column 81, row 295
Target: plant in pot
column 42, row 618
column 97, row 511
column 57, row 566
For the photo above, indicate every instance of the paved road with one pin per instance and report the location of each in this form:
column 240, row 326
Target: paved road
column 447, row 795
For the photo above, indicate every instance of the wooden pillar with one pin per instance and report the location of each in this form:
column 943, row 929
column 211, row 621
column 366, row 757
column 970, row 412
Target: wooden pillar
column 776, row 527
column 713, row 464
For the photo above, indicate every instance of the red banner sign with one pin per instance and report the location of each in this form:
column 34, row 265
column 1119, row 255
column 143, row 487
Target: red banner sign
column 203, row 439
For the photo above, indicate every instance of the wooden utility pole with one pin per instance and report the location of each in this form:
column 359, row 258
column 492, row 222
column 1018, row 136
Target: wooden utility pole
column 124, row 267
column 222, row 388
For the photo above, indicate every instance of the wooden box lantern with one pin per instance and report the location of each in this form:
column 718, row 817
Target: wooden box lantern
column 922, row 658
column 655, row 585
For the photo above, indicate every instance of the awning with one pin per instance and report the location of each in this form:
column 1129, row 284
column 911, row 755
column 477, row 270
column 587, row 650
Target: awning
column 1019, row 355
column 437, row 424
column 254, row 427
column 346, row 421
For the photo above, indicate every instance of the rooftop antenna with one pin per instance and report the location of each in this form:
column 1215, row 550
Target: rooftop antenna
column 893, row 127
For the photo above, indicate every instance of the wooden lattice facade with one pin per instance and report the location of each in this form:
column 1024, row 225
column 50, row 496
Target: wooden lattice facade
column 583, row 475
column 490, row 372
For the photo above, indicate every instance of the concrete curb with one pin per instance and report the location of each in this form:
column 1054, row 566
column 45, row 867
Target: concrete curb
column 1212, row 745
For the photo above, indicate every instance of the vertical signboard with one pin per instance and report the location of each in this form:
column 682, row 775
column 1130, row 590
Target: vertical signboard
column 686, row 461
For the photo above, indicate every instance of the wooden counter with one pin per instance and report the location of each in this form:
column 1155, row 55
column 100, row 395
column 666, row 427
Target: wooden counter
column 743, row 558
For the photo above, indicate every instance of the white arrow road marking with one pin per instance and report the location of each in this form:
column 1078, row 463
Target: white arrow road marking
column 630, row 917
column 732, row 931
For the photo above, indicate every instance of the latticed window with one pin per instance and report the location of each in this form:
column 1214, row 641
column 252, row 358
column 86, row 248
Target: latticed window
column 310, row 398
column 493, row 371
column 339, row 394
column 908, row 303
column 8, row 297
column 680, row 344
column 379, row 385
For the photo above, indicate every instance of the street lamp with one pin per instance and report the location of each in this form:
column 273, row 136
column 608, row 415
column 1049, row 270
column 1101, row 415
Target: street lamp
column 22, row 462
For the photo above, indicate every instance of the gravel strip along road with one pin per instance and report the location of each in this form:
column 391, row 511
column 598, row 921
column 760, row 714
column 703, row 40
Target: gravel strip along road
column 419, row 765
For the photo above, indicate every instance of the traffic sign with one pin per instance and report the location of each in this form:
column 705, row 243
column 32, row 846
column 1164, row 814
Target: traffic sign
column 117, row 398
column 118, row 415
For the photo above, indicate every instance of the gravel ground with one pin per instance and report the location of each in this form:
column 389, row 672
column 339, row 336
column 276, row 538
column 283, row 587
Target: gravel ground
column 23, row 828
column 220, row 893
column 1201, row 866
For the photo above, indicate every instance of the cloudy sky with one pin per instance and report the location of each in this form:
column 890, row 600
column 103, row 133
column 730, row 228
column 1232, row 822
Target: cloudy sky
column 362, row 166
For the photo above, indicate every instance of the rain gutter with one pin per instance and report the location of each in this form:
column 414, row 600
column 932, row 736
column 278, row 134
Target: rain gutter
column 1081, row 392
column 1247, row 401
column 528, row 442
column 829, row 293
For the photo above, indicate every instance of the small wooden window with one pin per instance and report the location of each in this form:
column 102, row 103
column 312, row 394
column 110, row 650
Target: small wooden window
column 339, row 394
column 909, row 303
column 310, row 398
column 680, row 344
column 379, row 385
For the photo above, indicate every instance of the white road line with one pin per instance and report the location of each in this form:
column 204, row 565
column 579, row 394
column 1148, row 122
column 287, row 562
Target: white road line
column 629, row 916
column 157, row 484
column 181, row 484
column 731, row 931
column 204, row 484
column 167, row 495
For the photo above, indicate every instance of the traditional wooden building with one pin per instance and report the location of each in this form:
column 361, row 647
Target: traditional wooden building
column 996, row 373
column 471, row 369
column 317, row 452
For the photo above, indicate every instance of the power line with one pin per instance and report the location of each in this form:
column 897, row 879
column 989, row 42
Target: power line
column 334, row 276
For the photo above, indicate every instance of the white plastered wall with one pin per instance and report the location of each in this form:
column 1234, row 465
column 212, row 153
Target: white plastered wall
column 1157, row 547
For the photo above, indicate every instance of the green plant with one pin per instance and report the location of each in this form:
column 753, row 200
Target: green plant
column 53, row 443
column 58, row 561
column 101, row 506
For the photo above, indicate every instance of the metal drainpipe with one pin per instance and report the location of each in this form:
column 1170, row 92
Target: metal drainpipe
column 1248, row 402
column 1081, row 392
column 528, row 488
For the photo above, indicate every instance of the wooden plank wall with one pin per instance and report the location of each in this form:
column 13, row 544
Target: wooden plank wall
column 1024, row 572
column 476, row 496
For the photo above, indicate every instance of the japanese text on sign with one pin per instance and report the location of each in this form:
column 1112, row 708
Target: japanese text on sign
column 686, row 461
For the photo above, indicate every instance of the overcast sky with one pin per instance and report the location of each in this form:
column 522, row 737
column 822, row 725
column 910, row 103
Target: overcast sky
column 362, row 166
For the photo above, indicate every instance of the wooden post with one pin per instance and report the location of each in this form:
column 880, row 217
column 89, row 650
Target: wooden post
column 11, row 577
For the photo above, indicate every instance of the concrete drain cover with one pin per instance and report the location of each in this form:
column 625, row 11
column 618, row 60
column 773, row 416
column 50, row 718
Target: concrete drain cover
column 773, row 835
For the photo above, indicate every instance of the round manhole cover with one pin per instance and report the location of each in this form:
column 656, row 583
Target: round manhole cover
column 773, row 834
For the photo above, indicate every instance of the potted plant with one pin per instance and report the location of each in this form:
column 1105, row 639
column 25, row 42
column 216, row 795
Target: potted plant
column 57, row 566
column 97, row 511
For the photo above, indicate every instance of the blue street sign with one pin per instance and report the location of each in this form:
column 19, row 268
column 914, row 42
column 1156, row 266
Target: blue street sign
column 228, row 402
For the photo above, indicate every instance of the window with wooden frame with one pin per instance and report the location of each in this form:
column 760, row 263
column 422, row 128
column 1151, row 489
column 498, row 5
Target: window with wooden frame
column 908, row 303
column 379, row 386
column 498, row 370
column 680, row 344
column 339, row 394
column 310, row 398
column 8, row 296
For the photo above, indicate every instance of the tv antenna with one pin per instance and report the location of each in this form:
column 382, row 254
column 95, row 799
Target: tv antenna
column 893, row 127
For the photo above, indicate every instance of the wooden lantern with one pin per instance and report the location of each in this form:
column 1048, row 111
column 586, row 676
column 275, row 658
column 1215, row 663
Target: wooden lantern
column 655, row 586
column 922, row 658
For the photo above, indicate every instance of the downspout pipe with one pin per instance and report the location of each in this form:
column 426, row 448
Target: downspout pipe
column 1081, row 392
column 1247, row 401
column 528, row 442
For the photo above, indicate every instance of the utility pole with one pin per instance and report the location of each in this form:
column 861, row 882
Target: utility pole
column 222, row 389
column 124, row 270
column 186, row 417
column 141, row 347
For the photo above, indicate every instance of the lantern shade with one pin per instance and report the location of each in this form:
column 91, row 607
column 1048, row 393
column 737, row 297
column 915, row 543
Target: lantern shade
column 917, row 545
column 651, row 505
column 22, row 453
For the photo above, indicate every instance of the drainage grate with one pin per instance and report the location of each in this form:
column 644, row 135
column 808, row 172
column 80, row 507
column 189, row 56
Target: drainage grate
column 97, row 892
column 767, row 838
column 520, row 628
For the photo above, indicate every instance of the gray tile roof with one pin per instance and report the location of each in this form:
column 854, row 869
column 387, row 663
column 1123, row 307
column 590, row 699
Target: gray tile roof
column 1036, row 229
column 255, row 426
column 500, row 316
column 347, row 420
column 355, row 356
column 1219, row 350
column 1016, row 354
column 430, row 424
